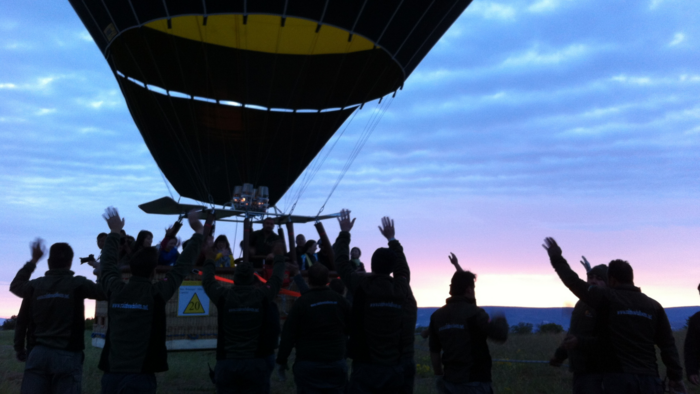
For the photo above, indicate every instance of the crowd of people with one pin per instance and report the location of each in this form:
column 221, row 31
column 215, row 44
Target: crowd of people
column 369, row 317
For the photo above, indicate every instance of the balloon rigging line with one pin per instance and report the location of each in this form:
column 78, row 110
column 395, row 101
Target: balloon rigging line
column 166, row 185
column 358, row 147
column 315, row 169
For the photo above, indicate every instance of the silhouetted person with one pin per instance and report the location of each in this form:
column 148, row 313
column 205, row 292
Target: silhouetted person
column 355, row 254
column 143, row 240
column 309, row 256
column 167, row 252
column 224, row 257
column 317, row 326
column 378, row 316
column 134, row 347
column 95, row 263
column 691, row 348
column 458, row 333
column 632, row 324
column 241, row 363
column 58, row 313
column 581, row 345
column 299, row 248
column 263, row 240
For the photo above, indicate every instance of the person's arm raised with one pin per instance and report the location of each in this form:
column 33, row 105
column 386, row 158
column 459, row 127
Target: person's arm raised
column 591, row 295
column 341, row 249
column 400, row 268
column 20, row 284
column 111, row 279
column 185, row 262
column 455, row 262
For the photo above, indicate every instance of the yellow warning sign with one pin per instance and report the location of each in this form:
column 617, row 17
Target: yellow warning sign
column 194, row 306
column 192, row 301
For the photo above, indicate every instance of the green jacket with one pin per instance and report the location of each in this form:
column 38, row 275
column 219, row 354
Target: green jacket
column 631, row 324
column 317, row 326
column 379, row 319
column 242, row 310
column 58, row 311
column 135, row 340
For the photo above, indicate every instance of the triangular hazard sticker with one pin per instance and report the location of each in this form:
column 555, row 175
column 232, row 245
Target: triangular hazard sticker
column 194, row 306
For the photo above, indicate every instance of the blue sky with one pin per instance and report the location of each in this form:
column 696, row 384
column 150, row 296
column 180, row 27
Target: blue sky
column 573, row 119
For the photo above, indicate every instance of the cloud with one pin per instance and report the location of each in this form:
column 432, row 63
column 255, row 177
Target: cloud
column 543, row 6
column 45, row 111
column 677, row 39
column 7, row 86
column 632, row 80
column 492, row 10
column 655, row 3
column 85, row 36
column 537, row 57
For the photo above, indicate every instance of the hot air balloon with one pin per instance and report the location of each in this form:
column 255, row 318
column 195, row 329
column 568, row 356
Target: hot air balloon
column 235, row 93
column 232, row 92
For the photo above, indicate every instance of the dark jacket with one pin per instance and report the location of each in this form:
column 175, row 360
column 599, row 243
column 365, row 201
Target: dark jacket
column 263, row 246
column 410, row 309
column 317, row 326
column 378, row 318
column 631, row 324
column 135, row 339
column 58, row 310
column 459, row 330
column 242, row 313
column 691, row 348
column 585, row 358
column 24, row 330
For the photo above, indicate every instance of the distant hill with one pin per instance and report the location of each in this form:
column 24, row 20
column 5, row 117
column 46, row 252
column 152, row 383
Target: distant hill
column 562, row 316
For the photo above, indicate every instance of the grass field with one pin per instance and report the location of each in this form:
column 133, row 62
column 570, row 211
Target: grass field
column 189, row 373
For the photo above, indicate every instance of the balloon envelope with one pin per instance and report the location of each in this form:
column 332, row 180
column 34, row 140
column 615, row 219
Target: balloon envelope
column 226, row 92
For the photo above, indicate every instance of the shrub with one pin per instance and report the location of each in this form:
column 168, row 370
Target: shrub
column 420, row 329
column 9, row 324
column 521, row 328
column 549, row 328
column 89, row 322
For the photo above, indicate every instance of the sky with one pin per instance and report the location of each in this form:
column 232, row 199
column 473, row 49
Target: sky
column 578, row 120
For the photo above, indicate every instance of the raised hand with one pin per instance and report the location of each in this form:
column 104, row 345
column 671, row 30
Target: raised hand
column 550, row 245
column 387, row 228
column 585, row 264
column 344, row 220
column 453, row 260
column 193, row 219
column 115, row 223
column 38, row 250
